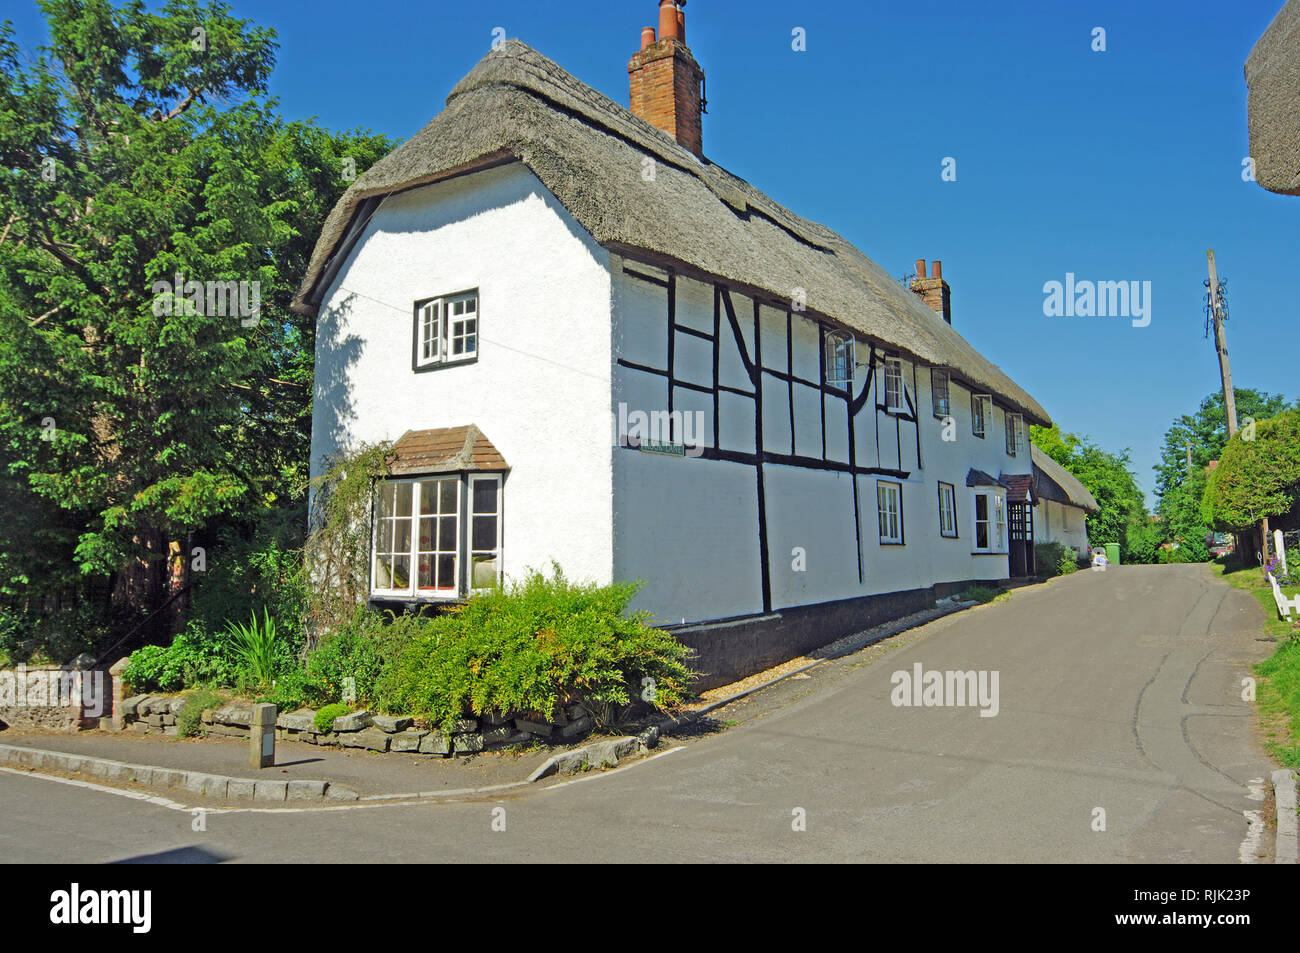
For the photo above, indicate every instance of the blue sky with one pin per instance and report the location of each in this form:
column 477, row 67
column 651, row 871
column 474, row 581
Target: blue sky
column 1116, row 165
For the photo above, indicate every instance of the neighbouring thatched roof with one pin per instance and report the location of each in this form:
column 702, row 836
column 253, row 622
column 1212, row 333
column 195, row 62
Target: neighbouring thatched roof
column 1273, row 102
column 444, row 450
column 1054, row 482
column 589, row 152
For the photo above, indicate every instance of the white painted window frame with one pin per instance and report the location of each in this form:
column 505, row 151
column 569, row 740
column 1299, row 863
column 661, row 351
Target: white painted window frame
column 419, row 486
column 980, row 407
column 438, row 330
column 996, row 520
column 947, row 510
column 496, row 552
column 889, row 513
column 894, row 375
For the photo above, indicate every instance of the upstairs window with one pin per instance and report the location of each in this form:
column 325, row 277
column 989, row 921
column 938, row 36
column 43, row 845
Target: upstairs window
column 939, row 392
column 977, row 409
column 893, row 383
column 446, row 330
column 1015, row 431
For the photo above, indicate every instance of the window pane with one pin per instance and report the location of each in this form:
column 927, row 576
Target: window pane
column 386, row 492
column 428, row 499
column 383, row 573
column 446, row 572
column 426, row 572
column 471, row 305
column 402, row 537
column 401, row 572
column 447, row 534
column 448, row 492
column 404, row 499
column 981, row 535
column 485, row 571
column 982, row 507
column 485, row 533
column 426, row 535
column 485, row 496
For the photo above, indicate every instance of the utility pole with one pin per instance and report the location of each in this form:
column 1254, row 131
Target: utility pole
column 1225, row 371
column 1221, row 345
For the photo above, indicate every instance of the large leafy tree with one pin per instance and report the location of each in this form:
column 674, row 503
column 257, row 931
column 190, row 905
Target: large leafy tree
column 1258, row 478
column 1122, row 517
column 137, row 152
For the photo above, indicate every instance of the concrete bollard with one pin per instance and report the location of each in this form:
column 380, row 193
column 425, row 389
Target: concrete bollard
column 261, row 737
column 118, row 691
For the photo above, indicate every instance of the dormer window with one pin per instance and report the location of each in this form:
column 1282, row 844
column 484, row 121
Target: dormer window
column 446, row 330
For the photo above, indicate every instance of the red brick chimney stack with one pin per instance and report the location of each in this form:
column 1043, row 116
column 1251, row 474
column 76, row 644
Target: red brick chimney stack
column 934, row 291
column 667, row 85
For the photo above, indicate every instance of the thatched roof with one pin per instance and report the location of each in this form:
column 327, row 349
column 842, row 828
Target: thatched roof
column 1273, row 102
column 589, row 152
column 1054, row 482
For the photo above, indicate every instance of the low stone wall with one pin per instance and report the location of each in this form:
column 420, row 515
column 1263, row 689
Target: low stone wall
column 366, row 730
column 53, row 697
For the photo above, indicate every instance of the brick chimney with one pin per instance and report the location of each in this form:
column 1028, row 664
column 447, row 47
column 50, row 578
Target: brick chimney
column 667, row 84
column 934, row 291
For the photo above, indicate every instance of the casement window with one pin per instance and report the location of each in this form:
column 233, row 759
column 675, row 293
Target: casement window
column 990, row 522
column 947, row 510
column 889, row 501
column 1015, row 432
column 893, row 383
column 485, row 531
column 978, row 405
column 419, row 545
column 446, row 330
column 939, row 392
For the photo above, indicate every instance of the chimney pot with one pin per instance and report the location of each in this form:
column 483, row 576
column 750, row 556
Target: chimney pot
column 668, row 19
column 647, row 36
column 920, row 268
column 936, row 269
column 681, row 25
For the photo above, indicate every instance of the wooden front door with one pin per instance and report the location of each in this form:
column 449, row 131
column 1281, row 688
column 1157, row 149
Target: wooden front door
column 1020, row 516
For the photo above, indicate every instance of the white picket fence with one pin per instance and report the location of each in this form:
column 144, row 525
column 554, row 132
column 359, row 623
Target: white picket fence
column 1285, row 606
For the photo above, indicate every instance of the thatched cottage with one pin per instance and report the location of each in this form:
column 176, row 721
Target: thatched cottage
column 594, row 345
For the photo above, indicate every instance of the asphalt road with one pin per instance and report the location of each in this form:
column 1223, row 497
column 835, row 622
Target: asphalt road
column 1118, row 691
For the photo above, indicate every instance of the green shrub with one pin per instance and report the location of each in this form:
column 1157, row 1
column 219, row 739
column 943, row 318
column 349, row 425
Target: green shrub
column 980, row 594
column 1055, row 559
column 325, row 717
column 194, row 657
column 189, row 721
column 531, row 647
column 1188, row 551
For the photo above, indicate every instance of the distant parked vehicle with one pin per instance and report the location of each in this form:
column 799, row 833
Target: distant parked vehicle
column 1221, row 544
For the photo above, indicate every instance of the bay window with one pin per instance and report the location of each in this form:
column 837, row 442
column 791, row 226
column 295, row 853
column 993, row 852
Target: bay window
column 421, row 544
column 990, row 511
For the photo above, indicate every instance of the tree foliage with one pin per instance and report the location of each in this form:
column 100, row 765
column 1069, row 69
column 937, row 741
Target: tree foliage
column 1122, row 517
column 1256, row 479
column 142, row 157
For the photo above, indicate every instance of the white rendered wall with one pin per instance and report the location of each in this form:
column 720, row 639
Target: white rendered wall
column 540, row 387
column 1058, row 523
